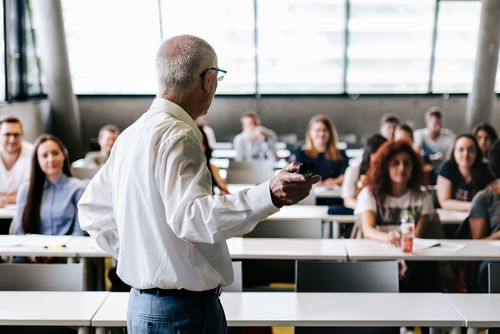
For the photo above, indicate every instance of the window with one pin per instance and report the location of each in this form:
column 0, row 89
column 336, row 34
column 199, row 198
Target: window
column 458, row 25
column 304, row 53
column 228, row 26
column 112, row 45
column 390, row 45
column 34, row 79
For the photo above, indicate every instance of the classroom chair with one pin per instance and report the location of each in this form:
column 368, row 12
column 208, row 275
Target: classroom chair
column 249, row 172
column 41, row 277
column 326, row 276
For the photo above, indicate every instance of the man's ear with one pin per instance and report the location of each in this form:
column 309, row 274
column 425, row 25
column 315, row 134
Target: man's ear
column 207, row 81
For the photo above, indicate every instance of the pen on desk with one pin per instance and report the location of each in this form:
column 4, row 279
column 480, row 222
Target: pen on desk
column 55, row 246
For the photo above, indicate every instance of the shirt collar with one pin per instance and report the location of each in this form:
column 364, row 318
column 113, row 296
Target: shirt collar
column 58, row 184
column 176, row 111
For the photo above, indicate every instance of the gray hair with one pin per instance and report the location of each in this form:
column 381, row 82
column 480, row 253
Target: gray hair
column 180, row 60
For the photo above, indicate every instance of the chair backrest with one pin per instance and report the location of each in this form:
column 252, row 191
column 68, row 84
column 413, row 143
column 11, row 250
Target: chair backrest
column 325, row 276
column 237, row 285
column 250, row 172
column 306, row 228
column 41, row 277
column 84, row 173
column 494, row 277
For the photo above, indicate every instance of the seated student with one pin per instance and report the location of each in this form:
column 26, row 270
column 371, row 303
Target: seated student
column 405, row 132
column 354, row 175
column 486, row 135
column 434, row 141
column 388, row 124
column 47, row 204
column 217, row 180
column 255, row 142
column 15, row 154
column 484, row 215
column 463, row 175
column 106, row 138
column 321, row 148
column 393, row 185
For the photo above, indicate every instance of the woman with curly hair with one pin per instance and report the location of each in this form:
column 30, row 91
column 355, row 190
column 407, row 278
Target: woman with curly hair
column 393, row 186
column 321, row 148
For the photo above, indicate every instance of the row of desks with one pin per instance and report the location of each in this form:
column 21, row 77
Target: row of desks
column 274, row 248
column 104, row 309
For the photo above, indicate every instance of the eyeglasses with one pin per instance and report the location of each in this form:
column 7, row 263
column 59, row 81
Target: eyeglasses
column 220, row 73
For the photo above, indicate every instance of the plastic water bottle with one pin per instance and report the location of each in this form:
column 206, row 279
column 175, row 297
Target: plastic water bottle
column 407, row 231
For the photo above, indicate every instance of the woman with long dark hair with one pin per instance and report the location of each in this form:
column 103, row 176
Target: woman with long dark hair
column 48, row 203
column 321, row 148
column 463, row 175
column 354, row 175
column 486, row 135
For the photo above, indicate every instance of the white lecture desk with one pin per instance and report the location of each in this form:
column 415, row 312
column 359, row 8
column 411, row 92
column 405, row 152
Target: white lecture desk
column 479, row 310
column 451, row 250
column 287, row 249
column 49, row 308
column 314, row 309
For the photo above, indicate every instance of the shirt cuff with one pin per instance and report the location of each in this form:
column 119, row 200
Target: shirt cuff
column 261, row 202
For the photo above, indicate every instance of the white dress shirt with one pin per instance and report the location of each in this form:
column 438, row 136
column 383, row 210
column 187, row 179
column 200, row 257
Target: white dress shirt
column 151, row 206
column 11, row 180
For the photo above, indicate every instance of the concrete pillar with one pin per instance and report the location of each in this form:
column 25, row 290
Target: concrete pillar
column 482, row 98
column 64, row 116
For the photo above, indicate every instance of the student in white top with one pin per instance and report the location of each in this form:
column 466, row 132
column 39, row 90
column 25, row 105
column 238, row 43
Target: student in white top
column 16, row 157
column 151, row 205
column 434, row 141
column 255, row 142
column 393, row 186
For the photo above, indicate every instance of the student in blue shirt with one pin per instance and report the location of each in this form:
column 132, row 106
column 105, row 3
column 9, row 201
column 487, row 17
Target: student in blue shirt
column 48, row 203
column 321, row 148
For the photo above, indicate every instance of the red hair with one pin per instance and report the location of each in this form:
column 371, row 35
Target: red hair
column 378, row 180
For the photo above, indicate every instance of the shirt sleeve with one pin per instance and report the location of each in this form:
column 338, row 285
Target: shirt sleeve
column 20, row 205
column 446, row 171
column 76, row 197
column 365, row 202
column 349, row 186
column 193, row 213
column 239, row 147
column 95, row 211
column 480, row 206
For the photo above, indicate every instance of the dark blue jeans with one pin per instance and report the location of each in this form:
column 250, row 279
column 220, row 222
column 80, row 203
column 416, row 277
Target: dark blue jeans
column 149, row 313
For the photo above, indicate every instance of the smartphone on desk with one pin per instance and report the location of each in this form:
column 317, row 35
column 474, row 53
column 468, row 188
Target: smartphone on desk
column 306, row 169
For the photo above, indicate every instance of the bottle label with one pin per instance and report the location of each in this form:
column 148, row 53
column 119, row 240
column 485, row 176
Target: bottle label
column 407, row 243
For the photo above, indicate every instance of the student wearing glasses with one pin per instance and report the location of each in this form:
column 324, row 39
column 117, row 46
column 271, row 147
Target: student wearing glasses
column 16, row 156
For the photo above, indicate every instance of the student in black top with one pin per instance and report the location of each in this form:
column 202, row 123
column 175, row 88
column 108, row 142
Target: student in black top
column 463, row 175
column 321, row 148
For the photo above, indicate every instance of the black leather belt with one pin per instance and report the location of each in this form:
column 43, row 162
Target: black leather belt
column 181, row 292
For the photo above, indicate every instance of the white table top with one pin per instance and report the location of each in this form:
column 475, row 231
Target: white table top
column 49, row 308
column 301, row 212
column 314, row 309
column 287, row 249
column 49, row 245
column 8, row 211
column 479, row 310
column 456, row 250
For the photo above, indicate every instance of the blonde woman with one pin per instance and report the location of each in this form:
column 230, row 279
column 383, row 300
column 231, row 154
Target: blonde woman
column 321, row 148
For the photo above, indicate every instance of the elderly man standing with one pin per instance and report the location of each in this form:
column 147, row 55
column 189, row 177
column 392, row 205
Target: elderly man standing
column 16, row 157
column 151, row 206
